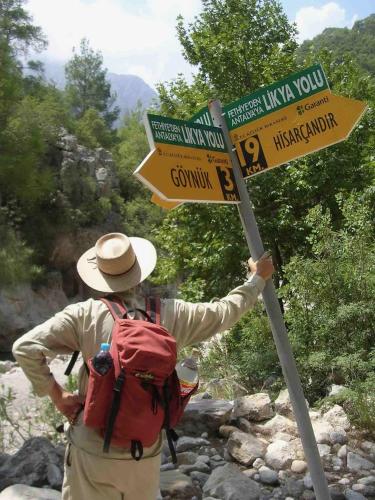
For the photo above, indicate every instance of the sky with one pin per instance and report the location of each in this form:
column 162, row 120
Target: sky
column 139, row 37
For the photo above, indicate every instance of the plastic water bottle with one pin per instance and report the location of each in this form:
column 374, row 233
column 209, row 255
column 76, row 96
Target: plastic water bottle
column 103, row 362
column 187, row 372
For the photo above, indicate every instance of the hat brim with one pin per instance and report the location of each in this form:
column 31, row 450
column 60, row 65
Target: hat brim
column 145, row 263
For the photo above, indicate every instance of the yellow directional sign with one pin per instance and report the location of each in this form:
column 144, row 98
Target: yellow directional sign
column 189, row 162
column 161, row 202
column 178, row 173
column 308, row 125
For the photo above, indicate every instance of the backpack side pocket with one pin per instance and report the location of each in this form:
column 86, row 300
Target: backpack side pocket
column 98, row 397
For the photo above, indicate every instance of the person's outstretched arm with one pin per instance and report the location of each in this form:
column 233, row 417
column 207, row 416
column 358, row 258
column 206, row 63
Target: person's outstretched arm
column 191, row 323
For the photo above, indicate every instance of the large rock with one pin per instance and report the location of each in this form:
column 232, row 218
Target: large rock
column 280, row 455
column 229, row 483
column 357, row 463
column 22, row 492
column 337, row 417
column 205, row 415
column 245, row 448
column 176, row 485
column 336, row 389
column 256, row 407
column 22, row 308
column 85, row 173
column 283, row 404
column 37, row 463
column 187, row 443
column 278, row 424
column 322, row 431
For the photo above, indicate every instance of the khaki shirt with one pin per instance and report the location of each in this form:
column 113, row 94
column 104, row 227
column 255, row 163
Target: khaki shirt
column 85, row 325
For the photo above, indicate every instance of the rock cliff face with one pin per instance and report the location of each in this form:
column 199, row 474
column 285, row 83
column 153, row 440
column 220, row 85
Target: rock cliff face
column 84, row 177
column 22, row 308
column 80, row 164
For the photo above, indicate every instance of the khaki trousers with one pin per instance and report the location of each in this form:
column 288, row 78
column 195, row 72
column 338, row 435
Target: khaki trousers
column 88, row 477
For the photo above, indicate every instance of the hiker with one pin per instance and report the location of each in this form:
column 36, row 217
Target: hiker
column 114, row 267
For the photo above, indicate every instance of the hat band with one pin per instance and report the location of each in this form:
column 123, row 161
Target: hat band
column 119, row 274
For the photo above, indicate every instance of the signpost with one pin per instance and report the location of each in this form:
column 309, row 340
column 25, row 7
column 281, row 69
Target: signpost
column 189, row 162
column 197, row 162
column 203, row 117
column 161, row 202
column 289, row 119
column 278, row 328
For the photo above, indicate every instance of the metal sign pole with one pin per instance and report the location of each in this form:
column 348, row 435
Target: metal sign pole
column 279, row 332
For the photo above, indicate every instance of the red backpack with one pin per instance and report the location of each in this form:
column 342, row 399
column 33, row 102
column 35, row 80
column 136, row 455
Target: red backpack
column 140, row 394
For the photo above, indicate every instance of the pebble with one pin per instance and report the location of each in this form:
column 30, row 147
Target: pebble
column 298, row 466
column 353, row 495
column 367, row 480
column 268, row 476
column 345, row 481
column 258, row 463
column 359, row 487
column 343, row 451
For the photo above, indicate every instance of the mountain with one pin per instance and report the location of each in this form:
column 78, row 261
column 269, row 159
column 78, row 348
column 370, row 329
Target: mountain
column 130, row 89
column 359, row 42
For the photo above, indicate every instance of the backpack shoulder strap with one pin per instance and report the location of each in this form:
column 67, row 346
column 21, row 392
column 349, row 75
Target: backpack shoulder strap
column 153, row 309
column 71, row 364
column 115, row 306
column 117, row 309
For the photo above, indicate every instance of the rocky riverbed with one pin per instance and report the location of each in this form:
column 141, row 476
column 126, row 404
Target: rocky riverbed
column 244, row 449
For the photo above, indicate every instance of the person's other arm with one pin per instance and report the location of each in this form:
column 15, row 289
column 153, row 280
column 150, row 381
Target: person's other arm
column 58, row 335
column 191, row 323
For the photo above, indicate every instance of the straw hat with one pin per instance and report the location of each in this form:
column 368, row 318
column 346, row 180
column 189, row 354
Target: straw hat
column 117, row 263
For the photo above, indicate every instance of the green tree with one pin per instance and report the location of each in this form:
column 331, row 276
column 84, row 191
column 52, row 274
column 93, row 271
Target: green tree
column 357, row 42
column 283, row 196
column 16, row 28
column 87, row 86
column 239, row 45
column 92, row 131
column 330, row 296
column 139, row 214
column 10, row 83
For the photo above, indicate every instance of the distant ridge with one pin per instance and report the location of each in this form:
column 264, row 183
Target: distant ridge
column 357, row 42
column 130, row 89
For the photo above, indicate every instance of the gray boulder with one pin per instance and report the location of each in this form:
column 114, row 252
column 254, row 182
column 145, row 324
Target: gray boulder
column 353, row 495
column 229, row 483
column 357, row 463
column 37, row 463
column 256, row 407
column 337, row 417
column 205, row 415
column 177, row 485
column 268, row 476
column 245, row 448
column 280, row 455
column 187, row 443
column 23, row 492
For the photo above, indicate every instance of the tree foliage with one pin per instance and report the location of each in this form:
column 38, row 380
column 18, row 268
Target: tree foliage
column 357, row 42
column 330, row 296
column 259, row 53
column 139, row 214
column 16, row 28
column 87, row 87
column 283, row 196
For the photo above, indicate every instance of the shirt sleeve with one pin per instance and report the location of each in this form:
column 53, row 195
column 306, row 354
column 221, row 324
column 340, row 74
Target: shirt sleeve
column 191, row 323
column 58, row 335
